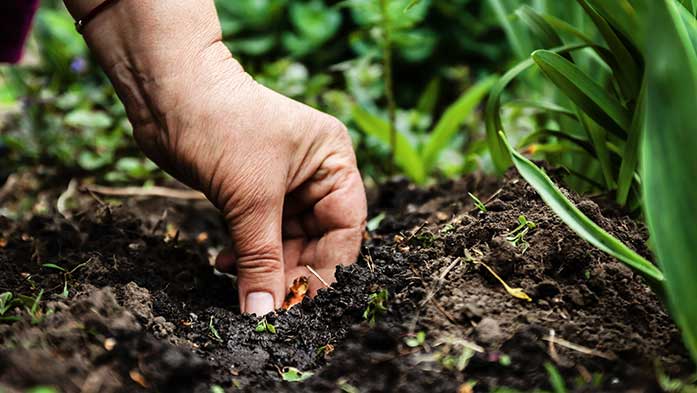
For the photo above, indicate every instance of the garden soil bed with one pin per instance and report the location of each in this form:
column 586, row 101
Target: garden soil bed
column 142, row 298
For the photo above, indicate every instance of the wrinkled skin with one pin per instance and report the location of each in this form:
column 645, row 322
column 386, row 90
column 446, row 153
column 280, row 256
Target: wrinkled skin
column 283, row 174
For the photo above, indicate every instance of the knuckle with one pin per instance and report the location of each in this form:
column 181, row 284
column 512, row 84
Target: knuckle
column 259, row 265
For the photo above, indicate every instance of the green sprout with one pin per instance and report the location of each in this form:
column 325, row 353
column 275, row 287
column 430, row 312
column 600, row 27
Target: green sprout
column 265, row 326
column 478, row 203
column 517, row 236
column 416, row 340
column 555, row 378
column 213, row 331
column 217, row 389
column 292, row 374
column 35, row 310
column 7, row 301
column 376, row 306
column 67, row 274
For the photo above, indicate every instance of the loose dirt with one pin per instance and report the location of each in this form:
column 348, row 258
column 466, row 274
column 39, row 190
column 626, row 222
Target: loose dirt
column 146, row 312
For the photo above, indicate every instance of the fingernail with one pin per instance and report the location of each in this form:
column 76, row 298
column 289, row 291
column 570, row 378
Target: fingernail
column 259, row 303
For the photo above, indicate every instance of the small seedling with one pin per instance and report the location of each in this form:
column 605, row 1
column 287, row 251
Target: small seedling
column 374, row 222
column 505, row 360
column 213, row 331
column 217, row 389
column 265, row 326
column 35, row 311
column 555, row 378
column 416, row 340
column 292, row 374
column 517, row 236
column 6, row 302
column 447, row 228
column 67, row 274
column 478, row 203
column 459, row 361
column 346, row 387
column 376, row 306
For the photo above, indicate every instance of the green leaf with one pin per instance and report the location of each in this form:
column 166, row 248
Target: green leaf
column 555, row 378
column 405, row 155
column 292, row 374
column 539, row 26
column 497, row 149
column 630, row 156
column 622, row 16
column 374, row 222
column 82, row 118
column 454, row 116
column 584, row 92
column 518, row 40
column 429, row 97
column 579, row 222
column 53, row 266
column 598, row 137
column 626, row 69
column 545, row 107
column 668, row 160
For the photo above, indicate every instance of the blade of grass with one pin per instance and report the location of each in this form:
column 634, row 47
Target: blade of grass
column 579, row 222
column 405, row 155
column 429, row 98
column 668, row 160
column 454, row 116
column 584, row 92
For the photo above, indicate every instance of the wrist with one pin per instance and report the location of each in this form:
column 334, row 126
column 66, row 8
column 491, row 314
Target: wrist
column 153, row 50
column 154, row 38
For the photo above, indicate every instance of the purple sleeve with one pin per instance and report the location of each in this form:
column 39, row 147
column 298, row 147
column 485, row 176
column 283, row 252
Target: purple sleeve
column 15, row 22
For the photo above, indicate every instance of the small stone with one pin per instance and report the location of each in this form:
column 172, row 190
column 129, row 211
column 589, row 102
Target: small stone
column 488, row 331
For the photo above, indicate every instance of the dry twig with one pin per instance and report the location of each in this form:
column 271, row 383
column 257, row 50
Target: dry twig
column 155, row 191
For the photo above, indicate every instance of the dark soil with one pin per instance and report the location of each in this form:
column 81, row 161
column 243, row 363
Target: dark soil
column 142, row 298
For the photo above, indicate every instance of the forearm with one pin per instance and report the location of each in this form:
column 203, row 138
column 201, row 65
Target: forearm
column 150, row 47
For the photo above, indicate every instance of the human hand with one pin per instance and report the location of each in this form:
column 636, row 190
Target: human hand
column 283, row 174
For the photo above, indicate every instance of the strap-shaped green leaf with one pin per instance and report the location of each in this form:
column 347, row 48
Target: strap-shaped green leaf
column 584, row 92
column 405, row 155
column 577, row 221
column 499, row 154
column 630, row 156
column 669, row 159
column 625, row 68
column 623, row 16
column 454, row 116
column 539, row 26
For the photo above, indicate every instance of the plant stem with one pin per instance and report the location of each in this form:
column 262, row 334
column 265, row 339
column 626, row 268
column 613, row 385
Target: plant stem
column 389, row 86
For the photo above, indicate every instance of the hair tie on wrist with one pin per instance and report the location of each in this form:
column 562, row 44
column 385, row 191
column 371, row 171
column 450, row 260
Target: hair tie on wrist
column 82, row 22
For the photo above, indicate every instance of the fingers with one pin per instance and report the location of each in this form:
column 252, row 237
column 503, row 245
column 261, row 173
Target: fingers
column 257, row 255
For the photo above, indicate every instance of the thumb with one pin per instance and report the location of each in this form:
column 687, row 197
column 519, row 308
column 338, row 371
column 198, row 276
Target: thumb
column 258, row 249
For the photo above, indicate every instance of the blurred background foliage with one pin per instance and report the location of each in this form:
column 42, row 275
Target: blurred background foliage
column 58, row 108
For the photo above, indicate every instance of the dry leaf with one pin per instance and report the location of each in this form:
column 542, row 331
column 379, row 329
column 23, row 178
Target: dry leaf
column 138, row 378
column 297, row 292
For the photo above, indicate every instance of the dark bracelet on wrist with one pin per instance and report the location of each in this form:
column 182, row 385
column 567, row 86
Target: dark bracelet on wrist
column 82, row 22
